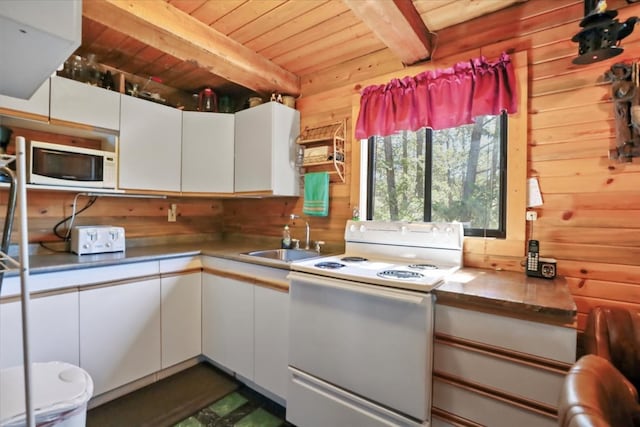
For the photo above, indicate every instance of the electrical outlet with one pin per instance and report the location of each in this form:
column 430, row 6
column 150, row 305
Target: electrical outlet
column 171, row 213
column 532, row 215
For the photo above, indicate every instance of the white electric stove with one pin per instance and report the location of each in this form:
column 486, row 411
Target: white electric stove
column 361, row 326
column 414, row 256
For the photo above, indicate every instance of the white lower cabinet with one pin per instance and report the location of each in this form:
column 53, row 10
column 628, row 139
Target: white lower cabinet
column 498, row 370
column 120, row 332
column 271, row 340
column 227, row 323
column 245, row 324
column 181, row 317
column 53, row 329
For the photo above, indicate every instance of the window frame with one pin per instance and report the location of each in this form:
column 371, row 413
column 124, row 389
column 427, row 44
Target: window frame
column 478, row 251
column 499, row 233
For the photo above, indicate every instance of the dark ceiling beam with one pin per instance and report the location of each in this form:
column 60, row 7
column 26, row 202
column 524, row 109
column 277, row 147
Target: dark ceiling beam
column 174, row 32
column 398, row 25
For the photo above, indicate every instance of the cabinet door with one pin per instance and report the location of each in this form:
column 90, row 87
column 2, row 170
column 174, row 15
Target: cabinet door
column 77, row 102
column 150, row 145
column 227, row 323
column 181, row 318
column 271, row 340
column 265, row 149
column 120, row 333
column 254, row 130
column 36, row 107
column 207, row 152
column 53, row 330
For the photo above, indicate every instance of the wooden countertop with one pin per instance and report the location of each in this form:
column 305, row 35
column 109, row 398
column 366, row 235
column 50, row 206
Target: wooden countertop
column 509, row 292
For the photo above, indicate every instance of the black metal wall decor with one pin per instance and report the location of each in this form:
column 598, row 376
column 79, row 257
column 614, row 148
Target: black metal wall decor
column 625, row 93
column 600, row 36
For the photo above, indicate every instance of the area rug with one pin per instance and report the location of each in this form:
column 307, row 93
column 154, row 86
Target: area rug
column 167, row 401
column 241, row 408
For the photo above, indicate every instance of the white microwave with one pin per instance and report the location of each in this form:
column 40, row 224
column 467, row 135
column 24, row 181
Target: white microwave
column 55, row 164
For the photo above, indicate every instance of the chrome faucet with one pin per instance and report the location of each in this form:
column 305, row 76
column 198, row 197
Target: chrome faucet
column 306, row 244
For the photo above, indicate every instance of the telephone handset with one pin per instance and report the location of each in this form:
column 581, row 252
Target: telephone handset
column 533, row 256
column 536, row 266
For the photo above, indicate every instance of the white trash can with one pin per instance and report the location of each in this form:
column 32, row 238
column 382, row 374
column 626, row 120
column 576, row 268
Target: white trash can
column 60, row 392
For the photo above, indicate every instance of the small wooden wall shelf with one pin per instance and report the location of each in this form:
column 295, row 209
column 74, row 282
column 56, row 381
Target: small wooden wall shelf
column 332, row 136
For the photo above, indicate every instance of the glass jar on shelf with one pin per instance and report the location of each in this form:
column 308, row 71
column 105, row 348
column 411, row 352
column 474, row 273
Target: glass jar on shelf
column 93, row 71
column 77, row 68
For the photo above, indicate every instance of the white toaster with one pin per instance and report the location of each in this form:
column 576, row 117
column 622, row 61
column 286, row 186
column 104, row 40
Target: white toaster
column 95, row 239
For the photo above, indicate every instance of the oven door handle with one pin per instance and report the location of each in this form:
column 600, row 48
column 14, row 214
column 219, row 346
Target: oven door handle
column 361, row 288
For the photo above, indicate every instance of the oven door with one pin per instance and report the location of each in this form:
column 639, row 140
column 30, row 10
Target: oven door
column 371, row 341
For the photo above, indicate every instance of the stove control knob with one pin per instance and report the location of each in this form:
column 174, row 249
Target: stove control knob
column 403, row 229
column 352, row 228
column 448, row 229
column 363, row 228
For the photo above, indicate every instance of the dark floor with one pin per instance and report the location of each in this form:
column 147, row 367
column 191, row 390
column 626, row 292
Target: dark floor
column 199, row 396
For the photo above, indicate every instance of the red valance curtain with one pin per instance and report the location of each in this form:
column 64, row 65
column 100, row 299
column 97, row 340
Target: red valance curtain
column 439, row 99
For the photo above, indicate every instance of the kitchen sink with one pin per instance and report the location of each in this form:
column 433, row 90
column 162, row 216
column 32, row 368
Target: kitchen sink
column 287, row 255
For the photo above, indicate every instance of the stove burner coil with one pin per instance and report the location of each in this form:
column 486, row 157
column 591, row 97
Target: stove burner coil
column 353, row 259
column 329, row 265
column 399, row 274
column 424, row 266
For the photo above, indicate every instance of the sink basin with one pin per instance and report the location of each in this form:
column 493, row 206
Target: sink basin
column 287, row 255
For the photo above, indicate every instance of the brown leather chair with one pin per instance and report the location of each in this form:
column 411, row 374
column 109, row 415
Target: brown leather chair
column 596, row 394
column 614, row 334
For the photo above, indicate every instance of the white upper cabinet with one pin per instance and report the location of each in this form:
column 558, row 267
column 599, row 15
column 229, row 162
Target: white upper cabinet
column 77, row 102
column 207, row 152
column 150, row 145
column 36, row 107
column 265, row 150
column 37, row 36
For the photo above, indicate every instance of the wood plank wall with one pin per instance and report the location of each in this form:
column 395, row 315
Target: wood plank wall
column 589, row 220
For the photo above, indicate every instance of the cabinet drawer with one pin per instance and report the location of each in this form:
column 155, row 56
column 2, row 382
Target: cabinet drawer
column 539, row 339
column 523, row 380
column 484, row 409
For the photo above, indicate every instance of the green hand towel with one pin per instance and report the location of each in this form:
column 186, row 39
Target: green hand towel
column 316, row 194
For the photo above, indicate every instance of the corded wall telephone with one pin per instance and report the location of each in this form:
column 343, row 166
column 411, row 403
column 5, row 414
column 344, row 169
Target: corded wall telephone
column 536, row 266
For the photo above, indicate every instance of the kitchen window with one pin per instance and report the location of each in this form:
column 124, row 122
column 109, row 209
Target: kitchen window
column 455, row 174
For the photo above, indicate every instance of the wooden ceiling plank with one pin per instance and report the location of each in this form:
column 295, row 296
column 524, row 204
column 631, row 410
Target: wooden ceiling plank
column 244, row 15
column 91, row 30
column 338, row 24
column 360, row 46
column 187, row 6
column 211, row 11
column 297, row 25
column 397, row 24
column 164, row 27
column 337, row 42
column 275, row 18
